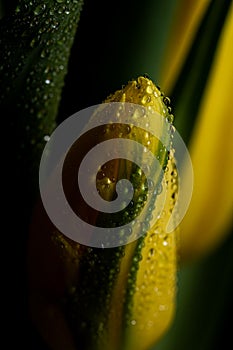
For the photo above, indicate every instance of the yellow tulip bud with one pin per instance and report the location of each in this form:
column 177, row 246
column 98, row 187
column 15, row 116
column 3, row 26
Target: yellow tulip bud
column 111, row 298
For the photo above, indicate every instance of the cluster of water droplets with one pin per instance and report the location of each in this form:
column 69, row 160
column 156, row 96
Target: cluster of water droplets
column 34, row 58
column 153, row 287
column 110, row 172
column 151, row 282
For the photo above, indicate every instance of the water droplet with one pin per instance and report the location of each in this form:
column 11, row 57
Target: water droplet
column 55, row 25
column 165, row 242
column 133, row 322
column 47, row 81
column 159, row 189
column 169, row 109
column 146, row 99
column 128, row 129
column 149, row 89
column 32, row 43
column 39, row 9
column 43, row 54
column 166, row 101
column 136, row 114
column 171, row 117
column 46, row 138
column 100, row 175
column 150, row 183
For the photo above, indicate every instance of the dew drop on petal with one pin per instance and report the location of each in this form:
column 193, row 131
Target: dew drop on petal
column 46, row 138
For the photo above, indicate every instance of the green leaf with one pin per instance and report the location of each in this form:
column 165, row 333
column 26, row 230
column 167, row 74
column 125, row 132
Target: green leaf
column 35, row 44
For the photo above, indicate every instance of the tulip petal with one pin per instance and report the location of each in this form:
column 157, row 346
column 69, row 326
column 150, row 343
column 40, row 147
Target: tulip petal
column 186, row 21
column 190, row 85
column 210, row 213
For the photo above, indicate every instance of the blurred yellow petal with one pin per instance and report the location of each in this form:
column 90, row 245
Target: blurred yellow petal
column 209, row 216
column 187, row 18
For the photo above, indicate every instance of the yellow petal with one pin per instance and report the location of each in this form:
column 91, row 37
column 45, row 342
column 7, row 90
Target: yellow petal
column 186, row 21
column 150, row 288
column 210, row 213
column 152, row 304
